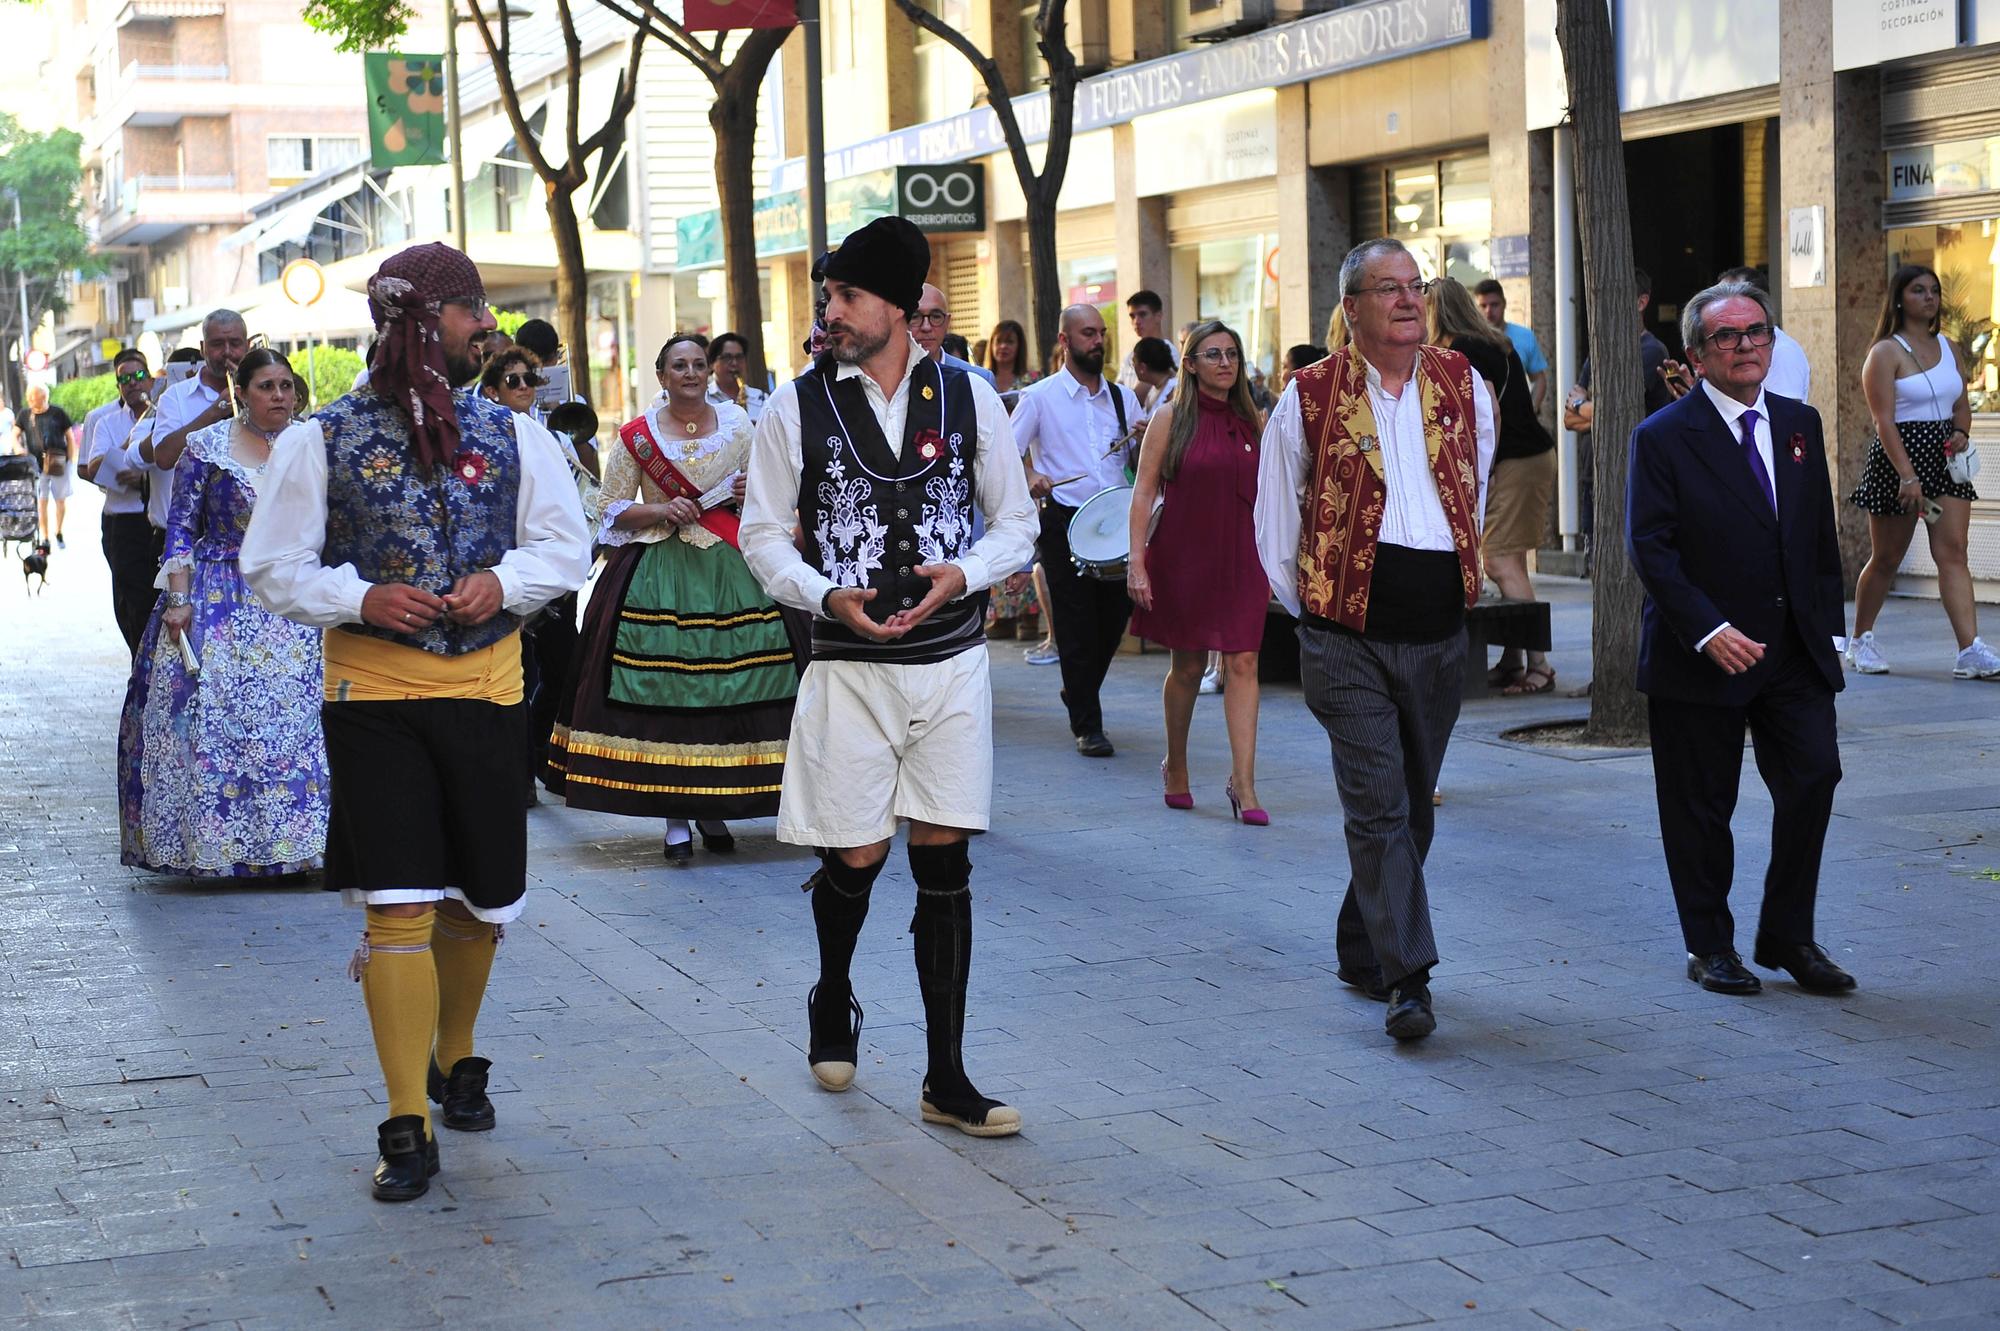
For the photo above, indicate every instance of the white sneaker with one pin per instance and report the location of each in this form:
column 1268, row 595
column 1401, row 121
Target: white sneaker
column 1977, row 662
column 1864, row 656
column 1211, row 682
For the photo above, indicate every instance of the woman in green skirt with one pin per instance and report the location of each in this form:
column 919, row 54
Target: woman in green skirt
column 685, row 673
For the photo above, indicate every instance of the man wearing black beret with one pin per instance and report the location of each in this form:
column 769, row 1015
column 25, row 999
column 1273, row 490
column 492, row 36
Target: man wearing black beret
column 886, row 456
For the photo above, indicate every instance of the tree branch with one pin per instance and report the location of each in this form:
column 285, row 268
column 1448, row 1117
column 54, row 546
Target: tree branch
column 498, row 50
column 684, row 41
column 988, row 69
column 639, row 18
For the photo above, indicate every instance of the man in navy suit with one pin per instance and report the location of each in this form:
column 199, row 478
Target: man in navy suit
column 1729, row 514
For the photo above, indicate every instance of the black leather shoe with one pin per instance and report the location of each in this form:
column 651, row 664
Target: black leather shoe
column 1094, row 745
column 1807, row 962
column 679, row 853
column 834, row 1047
column 1368, row 982
column 463, row 1096
column 1722, row 973
column 718, row 843
column 409, row 1158
column 1410, row 1016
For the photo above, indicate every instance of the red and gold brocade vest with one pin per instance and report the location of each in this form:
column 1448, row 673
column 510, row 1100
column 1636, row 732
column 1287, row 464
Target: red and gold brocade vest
column 1342, row 517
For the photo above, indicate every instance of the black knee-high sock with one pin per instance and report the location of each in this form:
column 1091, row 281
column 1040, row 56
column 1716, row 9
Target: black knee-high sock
column 840, row 904
column 943, row 930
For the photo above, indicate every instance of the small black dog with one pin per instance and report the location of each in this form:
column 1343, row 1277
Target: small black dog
column 35, row 564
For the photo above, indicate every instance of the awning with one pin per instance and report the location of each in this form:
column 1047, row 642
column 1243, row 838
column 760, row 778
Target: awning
column 338, row 313
column 291, row 224
column 175, row 322
column 484, row 141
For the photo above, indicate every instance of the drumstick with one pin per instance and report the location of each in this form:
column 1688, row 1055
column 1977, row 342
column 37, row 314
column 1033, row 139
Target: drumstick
column 1082, row 475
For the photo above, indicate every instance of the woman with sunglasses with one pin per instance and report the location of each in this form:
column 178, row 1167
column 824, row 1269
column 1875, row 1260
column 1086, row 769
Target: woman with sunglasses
column 222, row 768
column 1916, row 393
column 686, row 673
column 1196, row 581
column 511, row 378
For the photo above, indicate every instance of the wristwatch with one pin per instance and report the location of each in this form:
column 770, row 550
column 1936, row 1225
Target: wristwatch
column 826, row 603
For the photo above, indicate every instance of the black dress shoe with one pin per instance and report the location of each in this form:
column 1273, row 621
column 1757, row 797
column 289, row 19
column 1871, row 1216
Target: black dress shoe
column 463, row 1095
column 1369, row 982
column 1807, row 962
column 408, row 1159
column 1094, row 745
column 717, row 843
column 1722, row 973
column 1409, row 1016
column 834, row 1046
column 679, row 853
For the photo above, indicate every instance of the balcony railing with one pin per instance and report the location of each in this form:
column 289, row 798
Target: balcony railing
column 183, row 182
column 137, row 70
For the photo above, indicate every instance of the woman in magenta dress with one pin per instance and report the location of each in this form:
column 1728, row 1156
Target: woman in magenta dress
column 1196, row 581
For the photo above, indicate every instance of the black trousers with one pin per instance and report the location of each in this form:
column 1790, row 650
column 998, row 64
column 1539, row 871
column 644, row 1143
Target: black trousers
column 1697, row 766
column 1090, row 618
column 132, row 547
column 546, row 650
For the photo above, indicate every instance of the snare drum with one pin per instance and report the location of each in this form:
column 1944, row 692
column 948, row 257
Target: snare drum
column 1100, row 534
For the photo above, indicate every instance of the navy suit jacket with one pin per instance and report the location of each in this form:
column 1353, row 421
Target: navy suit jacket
column 1708, row 548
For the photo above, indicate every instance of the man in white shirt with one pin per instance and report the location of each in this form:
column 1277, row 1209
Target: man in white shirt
column 1146, row 313
column 1076, row 429
column 883, row 455
column 205, row 398
column 131, row 547
column 1373, row 542
column 728, row 353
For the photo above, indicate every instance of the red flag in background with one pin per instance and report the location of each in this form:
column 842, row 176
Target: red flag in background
column 720, row 15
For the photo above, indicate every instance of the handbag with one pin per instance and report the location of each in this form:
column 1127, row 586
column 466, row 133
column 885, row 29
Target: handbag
column 1963, row 465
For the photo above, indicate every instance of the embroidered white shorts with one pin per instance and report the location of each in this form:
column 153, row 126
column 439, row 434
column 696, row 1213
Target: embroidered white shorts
column 874, row 743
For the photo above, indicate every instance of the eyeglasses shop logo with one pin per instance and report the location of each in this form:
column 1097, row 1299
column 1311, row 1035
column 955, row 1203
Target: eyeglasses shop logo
column 943, row 198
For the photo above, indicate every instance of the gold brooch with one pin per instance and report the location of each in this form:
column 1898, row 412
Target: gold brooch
column 927, row 394
column 1366, row 443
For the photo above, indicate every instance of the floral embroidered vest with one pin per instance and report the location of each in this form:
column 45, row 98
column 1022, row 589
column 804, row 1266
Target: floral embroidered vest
column 870, row 515
column 394, row 524
column 1345, row 492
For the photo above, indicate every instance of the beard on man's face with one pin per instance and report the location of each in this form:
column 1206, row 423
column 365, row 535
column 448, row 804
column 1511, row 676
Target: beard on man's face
column 465, row 362
column 851, row 346
column 1090, row 362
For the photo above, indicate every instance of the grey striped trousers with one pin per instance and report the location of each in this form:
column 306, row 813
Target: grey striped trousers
column 1389, row 709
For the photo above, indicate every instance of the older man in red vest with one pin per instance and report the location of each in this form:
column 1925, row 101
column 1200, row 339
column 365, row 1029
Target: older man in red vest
column 1370, row 492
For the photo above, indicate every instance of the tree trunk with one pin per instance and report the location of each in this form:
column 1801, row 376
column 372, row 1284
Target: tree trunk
column 572, row 289
column 1044, row 281
column 733, row 116
column 1617, row 388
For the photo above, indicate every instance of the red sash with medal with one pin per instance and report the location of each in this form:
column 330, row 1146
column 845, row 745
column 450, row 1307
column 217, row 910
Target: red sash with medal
column 638, row 439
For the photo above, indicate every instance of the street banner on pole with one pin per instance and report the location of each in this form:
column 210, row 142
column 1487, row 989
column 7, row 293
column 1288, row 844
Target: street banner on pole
column 405, row 108
column 721, row 15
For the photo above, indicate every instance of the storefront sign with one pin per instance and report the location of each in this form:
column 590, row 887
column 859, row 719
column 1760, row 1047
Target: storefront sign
column 780, row 220
column 1961, row 166
column 1868, row 32
column 1218, row 143
column 1805, row 247
column 943, row 198
column 1308, row 48
column 1509, row 256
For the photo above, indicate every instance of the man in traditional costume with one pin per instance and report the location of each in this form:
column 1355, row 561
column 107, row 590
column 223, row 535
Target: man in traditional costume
column 884, row 456
column 420, row 524
column 1370, row 492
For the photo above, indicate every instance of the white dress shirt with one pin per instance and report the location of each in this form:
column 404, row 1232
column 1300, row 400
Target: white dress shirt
column 1732, row 412
column 1790, row 374
column 105, row 435
column 1070, row 431
column 160, row 498
column 178, row 405
column 753, row 402
column 770, row 503
column 281, row 551
column 1412, row 514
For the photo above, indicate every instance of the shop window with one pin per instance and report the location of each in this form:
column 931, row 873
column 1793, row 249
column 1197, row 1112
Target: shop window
column 1966, row 257
column 291, row 158
column 1441, row 208
column 1232, row 284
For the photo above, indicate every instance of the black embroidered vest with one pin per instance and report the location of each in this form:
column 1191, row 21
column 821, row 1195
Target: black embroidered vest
column 870, row 517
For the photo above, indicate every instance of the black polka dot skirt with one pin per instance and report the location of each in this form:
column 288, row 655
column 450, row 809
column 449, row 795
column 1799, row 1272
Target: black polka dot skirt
column 1924, row 442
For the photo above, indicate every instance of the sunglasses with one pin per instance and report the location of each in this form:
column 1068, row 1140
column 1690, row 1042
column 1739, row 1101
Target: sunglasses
column 522, row 380
column 135, row 377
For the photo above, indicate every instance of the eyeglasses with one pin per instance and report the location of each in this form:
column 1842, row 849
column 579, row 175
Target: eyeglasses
column 939, row 317
column 1391, row 290
column 135, row 377
column 522, row 380
column 1221, row 355
column 1728, row 339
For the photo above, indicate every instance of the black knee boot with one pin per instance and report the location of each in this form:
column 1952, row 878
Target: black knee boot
column 943, row 930
column 840, row 904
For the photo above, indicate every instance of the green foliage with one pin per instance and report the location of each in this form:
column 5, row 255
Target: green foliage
column 332, row 372
column 46, row 170
column 509, row 321
column 79, row 396
column 361, row 25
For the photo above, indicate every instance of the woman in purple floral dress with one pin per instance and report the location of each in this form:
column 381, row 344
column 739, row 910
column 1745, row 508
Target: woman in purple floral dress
column 222, row 769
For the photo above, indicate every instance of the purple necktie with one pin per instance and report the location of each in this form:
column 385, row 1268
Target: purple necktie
column 1749, row 424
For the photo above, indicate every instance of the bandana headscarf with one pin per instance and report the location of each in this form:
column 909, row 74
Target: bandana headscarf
column 406, row 296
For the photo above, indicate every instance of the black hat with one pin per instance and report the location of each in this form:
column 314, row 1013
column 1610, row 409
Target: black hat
column 889, row 257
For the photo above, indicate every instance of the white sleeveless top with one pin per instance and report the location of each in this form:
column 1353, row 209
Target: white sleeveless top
column 1928, row 396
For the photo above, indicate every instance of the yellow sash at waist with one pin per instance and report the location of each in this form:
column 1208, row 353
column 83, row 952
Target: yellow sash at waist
column 364, row 668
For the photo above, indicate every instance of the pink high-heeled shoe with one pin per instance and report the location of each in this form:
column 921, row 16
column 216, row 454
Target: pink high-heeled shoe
column 1184, row 800
column 1249, row 817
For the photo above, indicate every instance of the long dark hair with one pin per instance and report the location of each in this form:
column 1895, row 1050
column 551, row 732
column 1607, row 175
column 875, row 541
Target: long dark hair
column 1020, row 366
column 501, row 361
column 1891, row 321
column 1187, row 407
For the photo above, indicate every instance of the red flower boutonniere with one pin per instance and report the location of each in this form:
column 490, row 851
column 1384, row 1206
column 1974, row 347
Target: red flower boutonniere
column 1798, row 448
column 471, row 467
column 929, row 444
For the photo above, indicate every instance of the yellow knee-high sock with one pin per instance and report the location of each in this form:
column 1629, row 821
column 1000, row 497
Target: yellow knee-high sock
column 399, row 982
column 464, row 950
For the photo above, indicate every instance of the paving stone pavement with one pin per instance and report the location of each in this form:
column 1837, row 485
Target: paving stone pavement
column 1219, row 1135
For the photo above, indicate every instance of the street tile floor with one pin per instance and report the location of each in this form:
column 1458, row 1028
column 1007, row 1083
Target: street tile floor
column 1218, row 1133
